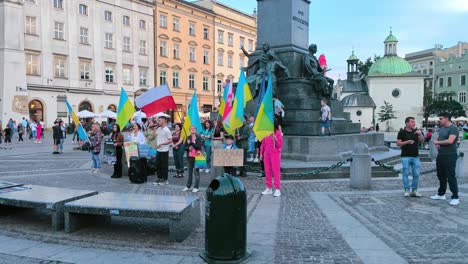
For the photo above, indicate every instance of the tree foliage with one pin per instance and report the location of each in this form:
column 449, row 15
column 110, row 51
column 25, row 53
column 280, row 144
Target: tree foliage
column 439, row 106
column 363, row 67
column 386, row 114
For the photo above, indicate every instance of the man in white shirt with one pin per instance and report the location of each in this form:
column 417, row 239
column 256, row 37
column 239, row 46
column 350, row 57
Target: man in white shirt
column 163, row 140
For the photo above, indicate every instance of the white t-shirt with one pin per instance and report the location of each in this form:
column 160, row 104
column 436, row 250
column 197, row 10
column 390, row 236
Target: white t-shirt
column 164, row 134
column 139, row 138
column 325, row 112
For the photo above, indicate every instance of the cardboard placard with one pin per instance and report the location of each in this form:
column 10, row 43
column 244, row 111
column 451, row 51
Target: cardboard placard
column 131, row 149
column 109, row 152
column 228, row 157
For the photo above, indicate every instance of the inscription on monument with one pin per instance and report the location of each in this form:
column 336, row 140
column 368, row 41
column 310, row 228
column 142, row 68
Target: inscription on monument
column 20, row 104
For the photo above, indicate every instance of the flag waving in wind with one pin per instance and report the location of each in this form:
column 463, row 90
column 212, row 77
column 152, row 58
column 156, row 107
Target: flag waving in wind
column 126, row 109
column 226, row 102
column 192, row 118
column 243, row 95
column 264, row 122
column 80, row 130
column 155, row 100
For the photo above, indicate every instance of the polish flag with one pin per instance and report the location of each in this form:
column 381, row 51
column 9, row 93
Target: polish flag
column 155, row 100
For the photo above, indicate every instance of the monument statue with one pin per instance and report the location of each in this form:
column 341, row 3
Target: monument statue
column 266, row 63
column 323, row 84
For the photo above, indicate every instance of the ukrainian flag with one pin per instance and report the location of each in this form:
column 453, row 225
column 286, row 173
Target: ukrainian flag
column 76, row 120
column 192, row 118
column 243, row 95
column 264, row 123
column 125, row 111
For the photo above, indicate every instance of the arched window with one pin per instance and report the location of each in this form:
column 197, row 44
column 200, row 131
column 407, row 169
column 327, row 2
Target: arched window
column 85, row 105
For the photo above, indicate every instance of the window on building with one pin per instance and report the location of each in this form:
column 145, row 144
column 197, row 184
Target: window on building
column 205, row 83
column 206, row 33
column 108, row 41
column 192, row 54
column 59, row 30
column 59, row 66
column 192, row 29
column 175, row 79
column 108, row 16
column 176, row 51
column 163, row 48
column 431, row 71
column 250, row 45
column 441, row 82
column 110, row 72
column 142, row 24
column 163, row 21
column 85, row 69
column 127, row 74
column 191, row 81
column 83, row 10
column 84, row 36
column 143, row 47
column 175, row 24
column 126, row 20
column 143, row 76
column 220, row 57
column 162, row 77
column 230, row 39
column 462, row 97
column 449, row 81
column 229, row 63
column 206, row 56
column 58, row 4
column 30, row 25
column 126, row 44
column 242, row 41
column 219, row 86
column 31, row 1
column 241, row 61
column 220, row 36
column 32, row 63
column 463, row 80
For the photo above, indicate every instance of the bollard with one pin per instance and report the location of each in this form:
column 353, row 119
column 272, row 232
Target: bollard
column 462, row 161
column 433, row 151
column 361, row 171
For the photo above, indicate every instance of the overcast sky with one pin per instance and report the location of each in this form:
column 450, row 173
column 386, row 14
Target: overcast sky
column 339, row 25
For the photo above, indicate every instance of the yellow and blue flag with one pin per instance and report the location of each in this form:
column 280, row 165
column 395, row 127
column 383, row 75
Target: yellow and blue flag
column 243, row 95
column 76, row 121
column 264, row 122
column 126, row 109
column 192, row 118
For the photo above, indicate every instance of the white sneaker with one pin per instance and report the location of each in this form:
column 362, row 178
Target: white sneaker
column 438, row 197
column 250, row 159
column 195, row 190
column 277, row 193
column 207, row 171
column 186, row 189
column 416, row 194
column 73, row 141
column 454, row 202
column 256, row 160
column 267, row 191
column 406, row 194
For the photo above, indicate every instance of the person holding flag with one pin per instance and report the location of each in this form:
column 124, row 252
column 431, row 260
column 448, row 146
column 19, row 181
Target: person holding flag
column 125, row 110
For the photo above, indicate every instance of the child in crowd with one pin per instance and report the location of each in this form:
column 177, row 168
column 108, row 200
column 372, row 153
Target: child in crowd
column 230, row 145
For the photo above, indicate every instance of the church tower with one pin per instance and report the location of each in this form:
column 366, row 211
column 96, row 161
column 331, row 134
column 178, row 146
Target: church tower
column 353, row 73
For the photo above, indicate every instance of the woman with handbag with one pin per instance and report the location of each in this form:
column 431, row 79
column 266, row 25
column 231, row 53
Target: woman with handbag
column 194, row 147
column 118, row 139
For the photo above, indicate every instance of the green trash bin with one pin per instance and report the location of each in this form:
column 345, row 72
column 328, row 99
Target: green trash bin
column 225, row 221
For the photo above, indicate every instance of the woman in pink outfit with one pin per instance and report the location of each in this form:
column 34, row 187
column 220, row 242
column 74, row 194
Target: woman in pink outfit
column 270, row 153
column 38, row 132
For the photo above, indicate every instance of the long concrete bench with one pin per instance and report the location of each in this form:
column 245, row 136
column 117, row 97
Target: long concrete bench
column 183, row 212
column 40, row 197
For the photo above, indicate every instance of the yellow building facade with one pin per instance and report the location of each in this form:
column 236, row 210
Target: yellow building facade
column 197, row 47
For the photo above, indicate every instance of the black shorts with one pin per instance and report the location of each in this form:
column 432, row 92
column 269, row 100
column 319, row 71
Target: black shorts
column 7, row 139
column 56, row 141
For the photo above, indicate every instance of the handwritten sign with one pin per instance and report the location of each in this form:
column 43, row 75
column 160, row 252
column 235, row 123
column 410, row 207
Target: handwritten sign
column 131, row 149
column 228, row 157
column 109, row 152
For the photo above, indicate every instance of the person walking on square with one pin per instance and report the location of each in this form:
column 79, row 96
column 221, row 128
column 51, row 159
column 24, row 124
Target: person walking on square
column 270, row 153
column 447, row 159
column 20, row 132
column 164, row 140
column 56, row 135
column 194, row 145
column 63, row 135
column 178, row 149
column 243, row 134
column 38, row 132
column 96, row 139
column 8, row 132
column 325, row 117
column 118, row 139
column 408, row 140
column 33, row 127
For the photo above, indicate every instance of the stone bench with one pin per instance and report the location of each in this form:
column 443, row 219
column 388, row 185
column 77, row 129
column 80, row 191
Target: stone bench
column 41, row 197
column 183, row 212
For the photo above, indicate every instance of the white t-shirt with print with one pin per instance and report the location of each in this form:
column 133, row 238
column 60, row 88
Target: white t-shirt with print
column 164, row 134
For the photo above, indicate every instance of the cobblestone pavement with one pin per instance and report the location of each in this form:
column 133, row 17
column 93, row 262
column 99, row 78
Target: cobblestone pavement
column 418, row 230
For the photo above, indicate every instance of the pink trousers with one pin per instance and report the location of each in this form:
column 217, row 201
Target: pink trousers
column 272, row 169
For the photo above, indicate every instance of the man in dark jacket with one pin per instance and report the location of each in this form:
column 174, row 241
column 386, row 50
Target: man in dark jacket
column 57, row 135
column 242, row 136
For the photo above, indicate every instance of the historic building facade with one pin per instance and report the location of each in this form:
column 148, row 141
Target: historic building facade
column 82, row 51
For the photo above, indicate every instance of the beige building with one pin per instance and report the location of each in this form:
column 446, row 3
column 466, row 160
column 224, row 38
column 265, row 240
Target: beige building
column 197, row 47
column 80, row 50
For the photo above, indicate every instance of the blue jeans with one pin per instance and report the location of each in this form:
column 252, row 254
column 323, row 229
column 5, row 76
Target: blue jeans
column 34, row 134
column 96, row 160
column 415, row 165
column 208, row 155
column 251, row 141
column 61, row 144
column 179, row 158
